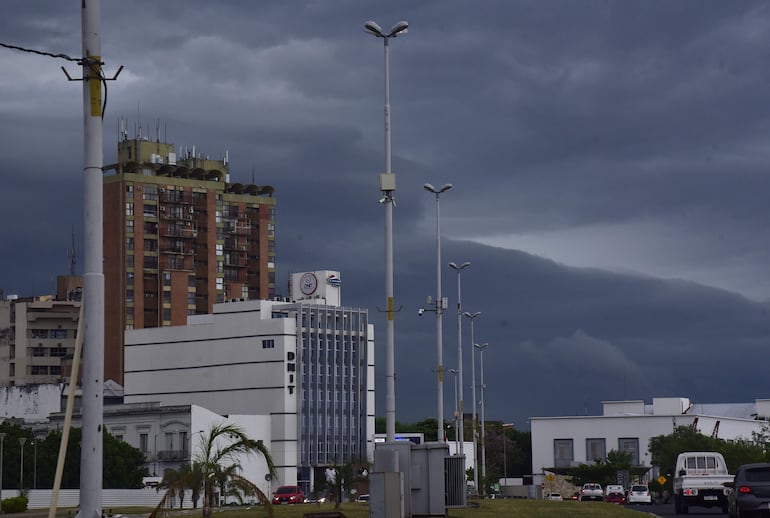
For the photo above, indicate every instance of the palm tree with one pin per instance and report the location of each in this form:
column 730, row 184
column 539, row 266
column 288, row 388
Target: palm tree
column 216, row 461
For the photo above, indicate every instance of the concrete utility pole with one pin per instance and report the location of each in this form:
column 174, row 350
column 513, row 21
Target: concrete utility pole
column 93, row 289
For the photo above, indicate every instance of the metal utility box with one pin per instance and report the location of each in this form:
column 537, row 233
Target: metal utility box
column 428, row 479
column 386, row 498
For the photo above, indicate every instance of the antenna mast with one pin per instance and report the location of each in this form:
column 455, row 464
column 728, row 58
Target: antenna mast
column 72, row 253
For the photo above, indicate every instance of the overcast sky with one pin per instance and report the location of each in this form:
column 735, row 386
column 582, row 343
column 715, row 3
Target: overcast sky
column 609, row 162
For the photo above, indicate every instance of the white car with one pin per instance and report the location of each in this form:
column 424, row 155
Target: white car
column 554, row 497
column 639, row 494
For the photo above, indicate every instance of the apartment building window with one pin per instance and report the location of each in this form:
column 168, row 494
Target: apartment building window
column 151, row 227
column 268, row 344
column 55, row 370
column 39, row 333
column 150, row 192
column 129, row 260
column 129, row 243
column 130, row 225
column 129, row 209
column 130, row 278
column 39, row 370
column 150, row 245
column 596, row 449
column 630, row 445
column 143, row 442
column 58, row 352
column 150, row 211
column 38, row 352
column 150, row 261
column 167, row 314
column 129, row 296
column 563, row 453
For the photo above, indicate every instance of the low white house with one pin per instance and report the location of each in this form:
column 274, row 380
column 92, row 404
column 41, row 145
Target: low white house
column 628, row 426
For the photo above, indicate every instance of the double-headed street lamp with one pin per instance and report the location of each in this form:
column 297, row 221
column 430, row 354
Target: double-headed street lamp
column 387, row 186
column 439, row 308
column 472, row 317
column 22, row 440
column 481, row 348
column 460, row 404
column 457, row 413
column 2, row 438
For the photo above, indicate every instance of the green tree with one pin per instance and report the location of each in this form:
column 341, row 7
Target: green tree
column 216, row 459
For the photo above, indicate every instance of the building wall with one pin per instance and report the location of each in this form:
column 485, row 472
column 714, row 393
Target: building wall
column 43, row 334
column 30, row 402
column 612, row 428
column 309, row 367
column 5, row 342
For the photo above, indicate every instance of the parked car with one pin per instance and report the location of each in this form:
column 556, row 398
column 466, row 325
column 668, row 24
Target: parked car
column 591, row 491
column 615, row 498
column 288, row 495
column 751, row 490
column 575, row 495
column 363, row 498
column 554, row 497
column 639, row 494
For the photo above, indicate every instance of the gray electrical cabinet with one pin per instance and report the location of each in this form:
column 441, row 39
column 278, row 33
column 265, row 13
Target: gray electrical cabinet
column 428, row 479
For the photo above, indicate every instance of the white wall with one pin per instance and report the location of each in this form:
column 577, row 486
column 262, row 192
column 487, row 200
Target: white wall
column 30, row 402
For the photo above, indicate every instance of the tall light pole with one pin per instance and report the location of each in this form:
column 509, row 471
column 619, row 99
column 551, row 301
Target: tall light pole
column 387, row 186
column 34, row 465
column 505, row 459
column 22, row 440
column 2, row 438
column 481, row 348
column 457, row 414
column 460, row 404
column 439, row 308
column 472, row 317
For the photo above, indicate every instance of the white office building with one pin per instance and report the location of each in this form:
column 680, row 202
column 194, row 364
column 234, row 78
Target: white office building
column 628, row 426
column 307, row 363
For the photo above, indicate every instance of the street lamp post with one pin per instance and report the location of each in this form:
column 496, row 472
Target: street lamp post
column 460, row 405
column 505, row 459
column 457, row 414
column 481, row 348
column 34, row 465
column 22, row 440
column 2, row 438
column 439, row 308
column 472, row 317
column 387, row 186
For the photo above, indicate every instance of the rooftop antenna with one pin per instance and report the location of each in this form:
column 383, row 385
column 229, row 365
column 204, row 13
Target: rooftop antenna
column 72, row 253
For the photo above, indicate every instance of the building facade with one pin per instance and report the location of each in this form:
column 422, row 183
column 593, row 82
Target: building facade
column 628, row 426
column 307, row 364
column 39, row 340
column 179, row 238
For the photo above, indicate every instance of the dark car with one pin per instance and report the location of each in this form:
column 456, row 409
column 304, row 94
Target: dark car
column 615, row 498
column 751, row 490
column 288, row 495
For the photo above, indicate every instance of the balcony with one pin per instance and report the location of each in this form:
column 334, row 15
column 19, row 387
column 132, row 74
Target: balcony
column 172, row 455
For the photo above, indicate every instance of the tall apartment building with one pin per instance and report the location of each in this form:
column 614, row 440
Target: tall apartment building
column 178, row 238
column 37, row 335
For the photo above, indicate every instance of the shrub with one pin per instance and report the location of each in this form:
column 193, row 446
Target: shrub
column 17, row 504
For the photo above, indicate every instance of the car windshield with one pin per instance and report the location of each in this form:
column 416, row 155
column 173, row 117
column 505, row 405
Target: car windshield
column 286, row 490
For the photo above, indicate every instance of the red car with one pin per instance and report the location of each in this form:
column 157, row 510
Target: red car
column 288, row 495
column 615, row 498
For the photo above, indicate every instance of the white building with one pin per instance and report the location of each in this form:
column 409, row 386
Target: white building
column 306, row 365
column 629, row 425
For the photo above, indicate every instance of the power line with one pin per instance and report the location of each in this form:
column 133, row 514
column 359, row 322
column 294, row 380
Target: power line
column 41, row 53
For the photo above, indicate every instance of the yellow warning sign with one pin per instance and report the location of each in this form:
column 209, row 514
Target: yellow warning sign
column 662, row 480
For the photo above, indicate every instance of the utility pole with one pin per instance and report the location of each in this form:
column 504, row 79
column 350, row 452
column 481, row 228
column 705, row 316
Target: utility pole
column 91, row 461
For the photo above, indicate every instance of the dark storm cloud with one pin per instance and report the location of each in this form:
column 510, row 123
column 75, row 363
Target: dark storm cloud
column 605, row 129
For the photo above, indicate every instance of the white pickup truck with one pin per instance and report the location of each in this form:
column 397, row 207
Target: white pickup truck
column 699, row 479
